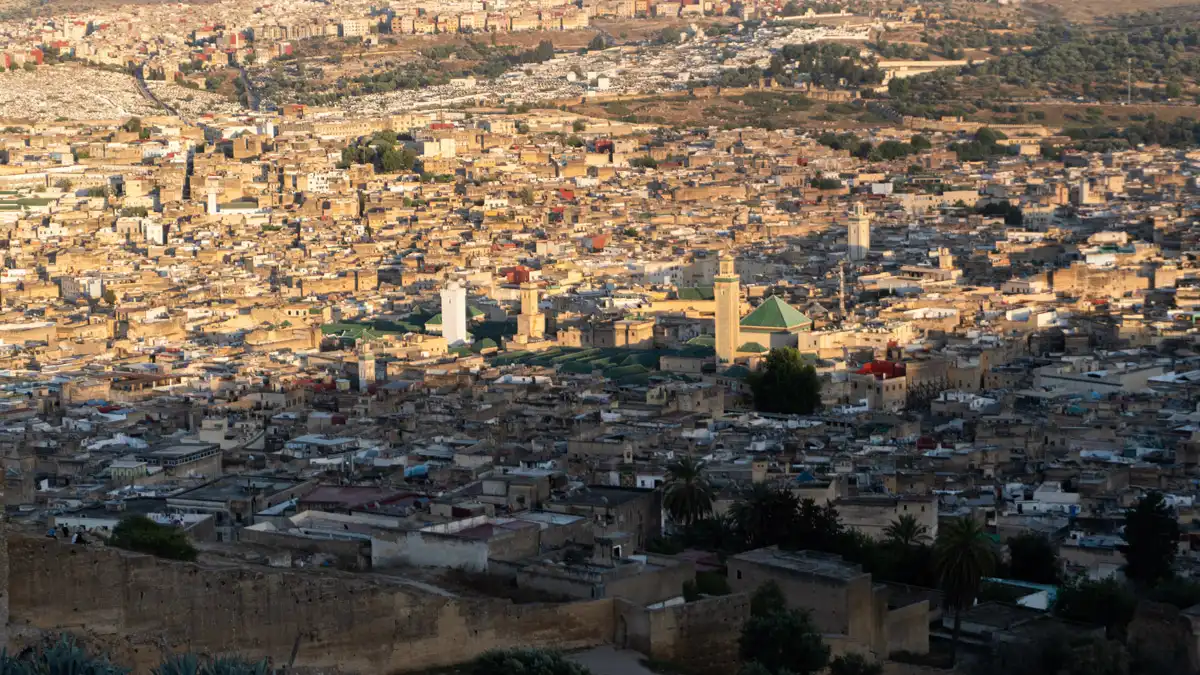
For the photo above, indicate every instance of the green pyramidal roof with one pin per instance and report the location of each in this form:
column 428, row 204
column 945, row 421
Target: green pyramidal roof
column 775, row 313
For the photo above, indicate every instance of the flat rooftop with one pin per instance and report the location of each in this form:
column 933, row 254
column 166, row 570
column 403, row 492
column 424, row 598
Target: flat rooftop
column 812, row 563
column 545, row 518
column 598, row 495
column 230, row 488
column 180, row 450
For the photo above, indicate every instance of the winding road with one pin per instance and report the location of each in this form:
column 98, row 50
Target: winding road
column 139, row 76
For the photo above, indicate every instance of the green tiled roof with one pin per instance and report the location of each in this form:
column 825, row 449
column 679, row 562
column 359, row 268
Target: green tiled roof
column 472, row 312
column 775, row 313
column 752, row 347
column 739, row 372
column 702, row 341
column 695, row 293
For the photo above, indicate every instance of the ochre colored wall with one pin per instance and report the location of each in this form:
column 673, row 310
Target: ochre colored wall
column 136, row 606
column 701, row 636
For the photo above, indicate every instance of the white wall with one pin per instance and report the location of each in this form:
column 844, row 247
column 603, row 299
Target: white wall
column 428, row 550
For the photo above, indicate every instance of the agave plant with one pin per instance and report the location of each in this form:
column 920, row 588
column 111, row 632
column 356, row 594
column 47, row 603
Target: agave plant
column 178, row 664
column 64, row 657
column 12, row 665
column 190, row 664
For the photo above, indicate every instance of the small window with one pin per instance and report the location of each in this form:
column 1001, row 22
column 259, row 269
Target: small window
column 906, row 507
column 739, row 573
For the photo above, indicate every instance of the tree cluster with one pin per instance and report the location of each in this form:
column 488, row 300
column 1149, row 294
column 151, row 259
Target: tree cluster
column 984, row 146
column 886, row 151
column 777, row 640
column 383, row 150
column 139, row 533
column 1183, row 132
column 785, row 383
column 1011, row 213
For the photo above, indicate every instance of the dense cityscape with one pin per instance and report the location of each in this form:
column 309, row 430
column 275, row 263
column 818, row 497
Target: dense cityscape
column 600, row 337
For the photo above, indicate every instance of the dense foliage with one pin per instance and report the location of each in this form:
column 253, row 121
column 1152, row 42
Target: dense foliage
column 1058, row 61
column 827, row 64
column 786, row 384
column 139, row 533
column 1032, row 558
column 885, row 151
column 383, row 150
column 1105, row 603
column 777, row 640
column 1152, row 537
column 1183, row 132
column 525, row 662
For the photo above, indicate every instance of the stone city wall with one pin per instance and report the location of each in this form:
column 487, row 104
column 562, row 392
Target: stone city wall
column 136, row 607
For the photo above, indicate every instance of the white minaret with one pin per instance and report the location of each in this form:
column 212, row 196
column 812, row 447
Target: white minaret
column 454, row 313
column 366, row 367
column 858, row 233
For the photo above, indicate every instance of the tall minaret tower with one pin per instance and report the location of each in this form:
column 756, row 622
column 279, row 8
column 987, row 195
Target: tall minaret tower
column 531, row 323
column 366, row 366
column 728, row 294
column 858, row 234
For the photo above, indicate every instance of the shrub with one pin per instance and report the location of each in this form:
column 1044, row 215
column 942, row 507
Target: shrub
column 139, row 533
column 525, row 662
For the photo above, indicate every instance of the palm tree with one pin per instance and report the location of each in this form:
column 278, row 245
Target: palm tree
column 766, row 516
column 688, row 496
column 962, row 558
column 906, row 532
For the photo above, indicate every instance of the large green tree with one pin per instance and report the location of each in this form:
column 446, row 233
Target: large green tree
column 780, row 640
column 1107, row 603
column 1032, row 558
column 786, row 384
column 963, row 556
column 765, row 517
column 1152, row 540
column 688, row 496
column 139, row 533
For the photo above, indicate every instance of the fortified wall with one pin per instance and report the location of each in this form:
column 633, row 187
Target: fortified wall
column 137, row 607
column 701, row 637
